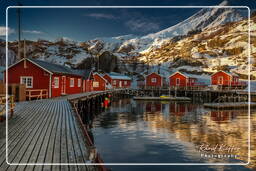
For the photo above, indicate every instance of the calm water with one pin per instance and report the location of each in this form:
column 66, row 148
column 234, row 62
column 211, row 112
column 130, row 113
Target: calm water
column 162, row 132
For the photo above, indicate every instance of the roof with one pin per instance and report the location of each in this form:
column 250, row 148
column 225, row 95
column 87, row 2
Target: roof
column 153, row 73
column 54, row 68
column 184, row 74
column 229, row 73
column 115, row 75
column 86, row 73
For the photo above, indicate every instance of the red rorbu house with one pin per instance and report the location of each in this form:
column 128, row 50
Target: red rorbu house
column 179, row 79
column 99, row 82
column 226, row 79
column 154, row 80
column 118, row 80
column 56, row 79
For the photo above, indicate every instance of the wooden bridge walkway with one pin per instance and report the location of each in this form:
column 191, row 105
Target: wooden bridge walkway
column 44, row 131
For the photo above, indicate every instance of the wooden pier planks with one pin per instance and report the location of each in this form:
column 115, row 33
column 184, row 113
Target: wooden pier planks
column 44, row 131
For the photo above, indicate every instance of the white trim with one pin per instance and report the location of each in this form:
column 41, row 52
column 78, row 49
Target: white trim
column 50, row 86
column 177, row 72
column 31, row 62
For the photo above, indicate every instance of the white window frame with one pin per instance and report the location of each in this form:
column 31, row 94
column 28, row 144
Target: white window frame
column 71, row 82
column 114, row 82
column 153, row 80
column 58, row 82
column 26, row 78
column 78, row 82
column 96, row 84
column 177, row 81
column 125, row 82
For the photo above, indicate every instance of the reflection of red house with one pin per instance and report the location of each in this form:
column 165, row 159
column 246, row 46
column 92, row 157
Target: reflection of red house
column 56, row 79
column 153, row 107
column 179, row 79
column 178, row 109
column 154, row 80
column 225, row 79
column 220, row 115
column 118, row 80
column 99, row 83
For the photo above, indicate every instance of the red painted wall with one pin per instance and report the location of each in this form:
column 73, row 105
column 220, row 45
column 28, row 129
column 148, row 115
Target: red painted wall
column 226, row 78
column 158, row 82
column 40, row 77
column 183, row 80
column 62, row 85
column 117, row 82
column 101, row 83
column 87, row 85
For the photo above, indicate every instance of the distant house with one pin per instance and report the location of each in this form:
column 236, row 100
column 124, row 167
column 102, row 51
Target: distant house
column 56, row 79
column 223, row 78
column 118, row 80
column 140, row 81
column 99, row 82
column 154, row 80
column 179, row 79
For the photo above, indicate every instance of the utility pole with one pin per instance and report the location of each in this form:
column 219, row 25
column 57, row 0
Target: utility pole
column 19, row 30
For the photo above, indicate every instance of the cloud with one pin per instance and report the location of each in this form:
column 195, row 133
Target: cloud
column 32, row 31
column 101, row 16
column 142, row 25
column 3, row 30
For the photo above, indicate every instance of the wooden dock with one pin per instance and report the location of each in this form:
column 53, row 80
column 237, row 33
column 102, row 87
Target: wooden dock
column 44, row 131
column 163, row 98
column 233, row 105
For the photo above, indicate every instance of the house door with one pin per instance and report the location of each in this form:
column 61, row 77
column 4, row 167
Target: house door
column 220, row 80
column 63, row 85
column 177, row 81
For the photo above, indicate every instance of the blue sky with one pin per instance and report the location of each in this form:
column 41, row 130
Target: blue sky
column 84, row 24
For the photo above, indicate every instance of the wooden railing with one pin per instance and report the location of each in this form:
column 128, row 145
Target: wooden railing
column 11, row 105
column 37, row 94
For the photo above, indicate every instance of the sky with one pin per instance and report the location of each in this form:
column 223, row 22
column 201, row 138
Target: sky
column 83, row 24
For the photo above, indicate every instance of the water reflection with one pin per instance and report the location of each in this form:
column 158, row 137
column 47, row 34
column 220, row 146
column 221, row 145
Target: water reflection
column 156, row 132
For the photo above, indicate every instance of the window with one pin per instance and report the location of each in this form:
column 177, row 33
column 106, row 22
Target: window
column 177, row 81
column 95, row 84
column 79, row 82
column 72, row 82
column 56, row 82
column 125, row 82
column 114, row 82
column 153, row 80
column 220, row 80
column 28, row 81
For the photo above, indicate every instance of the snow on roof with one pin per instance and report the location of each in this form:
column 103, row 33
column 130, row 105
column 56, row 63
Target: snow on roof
column 115, row 75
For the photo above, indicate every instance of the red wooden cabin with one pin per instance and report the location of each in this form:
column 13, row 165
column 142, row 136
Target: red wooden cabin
column 179, row 79
column 118, row 80
column 57, row 80
column 99, row 82
column 222, row 78
column 154, row 80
